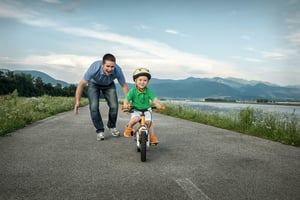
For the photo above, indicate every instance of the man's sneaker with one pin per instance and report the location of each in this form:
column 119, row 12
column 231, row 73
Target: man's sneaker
column 100, row 136
column 114, row 132
column 154, row 140
column 127, row 132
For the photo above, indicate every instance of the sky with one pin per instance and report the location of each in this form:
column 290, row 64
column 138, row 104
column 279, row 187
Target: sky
column 251, row 40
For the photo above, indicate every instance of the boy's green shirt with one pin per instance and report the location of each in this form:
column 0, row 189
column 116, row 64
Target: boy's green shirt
column 140, row 100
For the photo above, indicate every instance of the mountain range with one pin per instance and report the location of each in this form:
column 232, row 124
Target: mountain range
column 200, row 88
column 45, row 77
column 223, row 88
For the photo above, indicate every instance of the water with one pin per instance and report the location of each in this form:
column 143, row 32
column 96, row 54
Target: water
column 224, row 108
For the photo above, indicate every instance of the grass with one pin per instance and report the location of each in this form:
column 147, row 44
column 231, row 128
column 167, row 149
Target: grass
column 272, row 126
column 17, row 112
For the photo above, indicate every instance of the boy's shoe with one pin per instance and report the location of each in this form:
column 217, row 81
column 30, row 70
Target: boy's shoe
column 114, row 132
column 127, row 132
column 100, row 136
column 154, row 140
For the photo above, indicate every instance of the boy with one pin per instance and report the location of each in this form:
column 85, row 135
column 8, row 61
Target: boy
column 140, row 97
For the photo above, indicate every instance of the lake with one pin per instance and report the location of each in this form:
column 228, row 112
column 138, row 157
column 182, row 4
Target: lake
column 223, row 108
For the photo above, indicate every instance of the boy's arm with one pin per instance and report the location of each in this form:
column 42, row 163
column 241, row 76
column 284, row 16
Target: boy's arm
column 126, row 103
column 156, row 103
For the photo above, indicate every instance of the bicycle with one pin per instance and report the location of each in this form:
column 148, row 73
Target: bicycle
column 142, row 133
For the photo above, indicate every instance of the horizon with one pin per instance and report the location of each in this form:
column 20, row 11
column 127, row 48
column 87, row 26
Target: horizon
column 255, row 40
column 131, row 82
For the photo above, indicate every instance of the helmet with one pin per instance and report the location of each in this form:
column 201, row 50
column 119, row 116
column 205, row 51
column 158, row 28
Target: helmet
column 141, row 72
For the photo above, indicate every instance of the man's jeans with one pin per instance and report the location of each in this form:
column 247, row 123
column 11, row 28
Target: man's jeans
column 110, row 94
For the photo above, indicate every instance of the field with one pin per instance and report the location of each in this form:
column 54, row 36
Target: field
column 272, row 126
column 17, row 112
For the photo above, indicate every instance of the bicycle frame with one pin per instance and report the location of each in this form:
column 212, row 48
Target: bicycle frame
column 142, row 129
column 142, row 133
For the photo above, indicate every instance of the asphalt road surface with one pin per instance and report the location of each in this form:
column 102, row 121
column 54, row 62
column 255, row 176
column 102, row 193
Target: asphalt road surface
column 59, row 158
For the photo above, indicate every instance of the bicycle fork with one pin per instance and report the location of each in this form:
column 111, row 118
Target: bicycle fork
column 142, row 129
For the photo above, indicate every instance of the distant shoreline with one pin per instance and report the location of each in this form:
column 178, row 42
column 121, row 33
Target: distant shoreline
column 236, row 102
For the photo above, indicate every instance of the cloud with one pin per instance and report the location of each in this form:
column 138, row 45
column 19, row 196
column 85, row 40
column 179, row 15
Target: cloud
column 170, row 31
column 280, row 54
column 163, row 60
column 52, row 1
column 166, row 60
column 294, row 38
column 248, row 59
column 14, row 10
column 141, row 27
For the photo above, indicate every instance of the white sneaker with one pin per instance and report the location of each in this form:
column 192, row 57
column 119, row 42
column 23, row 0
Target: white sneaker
column 114, row 132
column 100, row 136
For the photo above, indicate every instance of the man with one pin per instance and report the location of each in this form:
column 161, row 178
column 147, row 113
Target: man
column 100, row 79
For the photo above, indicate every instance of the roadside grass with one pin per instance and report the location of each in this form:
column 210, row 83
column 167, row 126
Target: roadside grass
column 272, row 126
column 17, row 112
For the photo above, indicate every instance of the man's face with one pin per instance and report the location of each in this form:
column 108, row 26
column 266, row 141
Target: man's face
column 108, row 67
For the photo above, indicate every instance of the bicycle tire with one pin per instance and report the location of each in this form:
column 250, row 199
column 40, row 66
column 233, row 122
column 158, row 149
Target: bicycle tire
column 143, row 146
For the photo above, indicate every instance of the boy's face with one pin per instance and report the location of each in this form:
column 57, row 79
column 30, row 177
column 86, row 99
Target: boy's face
column 141, row 82
column 108, row 67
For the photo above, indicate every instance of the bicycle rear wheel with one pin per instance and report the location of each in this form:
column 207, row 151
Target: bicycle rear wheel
column 143, row 146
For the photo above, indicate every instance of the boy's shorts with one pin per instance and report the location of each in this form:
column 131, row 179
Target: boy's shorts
column 148, row 115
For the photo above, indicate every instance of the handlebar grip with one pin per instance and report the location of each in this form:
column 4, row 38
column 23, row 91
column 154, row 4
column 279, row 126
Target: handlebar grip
column 125, row 108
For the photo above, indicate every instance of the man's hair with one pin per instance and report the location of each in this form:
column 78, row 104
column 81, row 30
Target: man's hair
column 109, row 57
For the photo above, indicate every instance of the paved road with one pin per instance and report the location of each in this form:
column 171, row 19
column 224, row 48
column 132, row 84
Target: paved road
column 59, row 158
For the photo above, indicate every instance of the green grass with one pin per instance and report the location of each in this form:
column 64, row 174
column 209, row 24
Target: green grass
column 17, row 112
column 272, row 126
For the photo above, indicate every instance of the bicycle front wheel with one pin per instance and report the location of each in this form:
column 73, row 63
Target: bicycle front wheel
column 143, row 146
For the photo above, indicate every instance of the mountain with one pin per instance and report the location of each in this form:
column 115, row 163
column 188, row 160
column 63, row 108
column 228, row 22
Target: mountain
column 45, row 77
column 200, row 88
column 221, row 88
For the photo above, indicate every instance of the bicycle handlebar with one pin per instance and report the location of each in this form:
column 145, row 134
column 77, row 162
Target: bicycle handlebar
column 131, row 108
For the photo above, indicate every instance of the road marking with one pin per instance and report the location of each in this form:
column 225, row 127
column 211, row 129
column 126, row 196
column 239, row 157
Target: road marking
column 191, row 189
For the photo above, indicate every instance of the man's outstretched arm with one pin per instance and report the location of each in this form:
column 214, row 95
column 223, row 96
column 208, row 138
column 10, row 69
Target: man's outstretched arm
column 82, row 83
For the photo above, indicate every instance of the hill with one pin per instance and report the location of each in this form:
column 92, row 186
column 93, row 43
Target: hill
column 200, row 88
column 221, row 88
column 45, row 77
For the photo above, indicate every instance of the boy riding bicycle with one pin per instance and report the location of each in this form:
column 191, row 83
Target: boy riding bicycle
column 141, row 97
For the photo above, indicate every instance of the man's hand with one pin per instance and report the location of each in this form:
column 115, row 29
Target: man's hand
column 76, row 107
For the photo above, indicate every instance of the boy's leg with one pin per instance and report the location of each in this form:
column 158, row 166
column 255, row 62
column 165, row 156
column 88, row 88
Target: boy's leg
column 149, row 122
column 93, row 95
column 134, row 119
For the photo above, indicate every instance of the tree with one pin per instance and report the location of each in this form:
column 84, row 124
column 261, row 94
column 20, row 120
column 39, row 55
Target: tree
column 39, row 86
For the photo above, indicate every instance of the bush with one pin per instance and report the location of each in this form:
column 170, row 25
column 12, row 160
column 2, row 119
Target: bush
column 273, row 126
column 16, row 112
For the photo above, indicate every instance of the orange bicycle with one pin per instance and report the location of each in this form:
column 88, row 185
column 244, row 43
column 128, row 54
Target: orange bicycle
column 142, row 133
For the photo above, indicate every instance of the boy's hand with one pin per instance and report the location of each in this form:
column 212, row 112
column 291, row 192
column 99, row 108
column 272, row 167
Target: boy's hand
column 126, row 108
column 159, row 107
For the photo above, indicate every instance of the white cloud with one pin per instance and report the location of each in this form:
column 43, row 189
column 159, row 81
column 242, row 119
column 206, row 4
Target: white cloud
column 294, row 38
column 14, row 10
column 280, row 54
column 142, row 27
column 164, row 61
column 170, row 31
column 52, row 1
